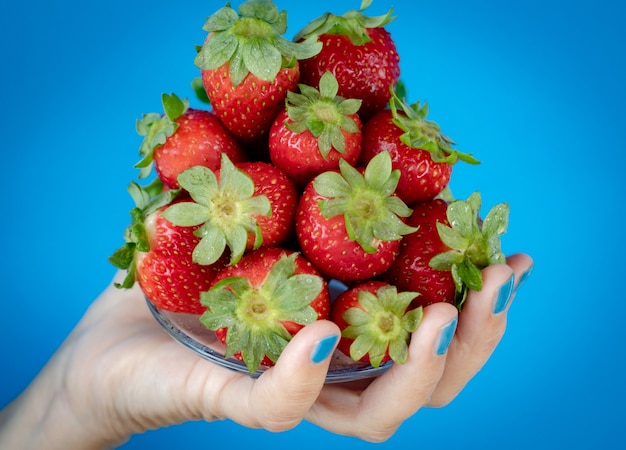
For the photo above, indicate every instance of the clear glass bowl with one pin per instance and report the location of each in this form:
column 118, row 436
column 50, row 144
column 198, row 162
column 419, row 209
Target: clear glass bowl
column 187, row 329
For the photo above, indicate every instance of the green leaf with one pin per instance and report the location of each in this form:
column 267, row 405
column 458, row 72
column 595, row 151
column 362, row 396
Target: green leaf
column 453, row 238
column 496, row 221
column 236, row 240
column 446, row 260
column 187, row 214
column 221, row 20
column 262, row 59
column 461, row 218
column 329, row 87
column 378, row 170
column 217, row 51
column 331, row 184
column 198, row 88
column 173, row 106
column 211, row 246
column 200, row 182
column 470, row 275
column 123, row 257
column 412, row 319
column 398, row 351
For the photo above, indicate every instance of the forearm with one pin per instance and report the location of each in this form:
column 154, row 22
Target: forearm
column 42, row 417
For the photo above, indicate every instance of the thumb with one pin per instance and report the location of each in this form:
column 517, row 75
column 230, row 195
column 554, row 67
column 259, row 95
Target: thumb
column 283, row 395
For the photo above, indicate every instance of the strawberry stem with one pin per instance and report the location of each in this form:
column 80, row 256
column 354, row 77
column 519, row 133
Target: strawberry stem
column 254, row 315
column 474, row 243
column 148, row 199
column 251, row 41
column 225, row 209
column 381, row 324
column 324, row 114
column 353, row 24
column 156, row 128
column 371, row 212
column 423, row 134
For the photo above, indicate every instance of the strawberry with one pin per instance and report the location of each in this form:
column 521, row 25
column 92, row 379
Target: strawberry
column 258, row 304
column 182, row 138
column 417, row 147
column 278, row 226
column 315, row 130
column 247, row 66
column 444, row 257
column 376, row 322
column 349, row 223
column 236, row 208
column 158, row 254
column 361, row 54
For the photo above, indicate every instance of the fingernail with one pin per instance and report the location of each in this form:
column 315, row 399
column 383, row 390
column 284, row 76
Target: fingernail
column 504, row 295
column 447, row 333
column 323, row 348
column 523, row 278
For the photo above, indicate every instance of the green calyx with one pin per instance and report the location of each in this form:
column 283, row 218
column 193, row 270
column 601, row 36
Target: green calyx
column 156, row 128
column 424, row 134
column 474, row 243
column 323, row 114
column 382, row 324
column 353, row 24
column 251, row 41
column 366, row 201
column 254, row 316
column 147, row 200
column 225, row 209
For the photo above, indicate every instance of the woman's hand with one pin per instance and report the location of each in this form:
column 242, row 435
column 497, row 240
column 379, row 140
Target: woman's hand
column 119, row 373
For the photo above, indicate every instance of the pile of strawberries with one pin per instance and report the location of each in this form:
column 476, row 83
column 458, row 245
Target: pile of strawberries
column 309, row 167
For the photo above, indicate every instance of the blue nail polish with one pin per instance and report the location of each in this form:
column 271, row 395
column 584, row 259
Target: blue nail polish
column 447, row 333
column 323, row 348
column 523, row 278
column 504, row 295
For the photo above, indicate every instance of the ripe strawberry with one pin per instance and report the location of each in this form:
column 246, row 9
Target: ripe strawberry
column 239, row 208
column 361, row 54
column 182, row 138
column 269, row 181
column 257, row 305
column 247, row 67
column 349, row 224
column 376, row 322
column 443, row 258
column 158, row 254
column 314, row 131
column 417, row 147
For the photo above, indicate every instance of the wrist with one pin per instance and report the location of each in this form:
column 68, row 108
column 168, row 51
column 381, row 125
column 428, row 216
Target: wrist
column 43, row 417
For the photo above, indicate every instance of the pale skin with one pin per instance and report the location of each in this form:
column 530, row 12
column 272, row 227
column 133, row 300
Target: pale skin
column 118, row 374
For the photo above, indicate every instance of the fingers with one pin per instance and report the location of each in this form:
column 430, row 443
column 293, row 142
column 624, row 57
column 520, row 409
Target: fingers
column 281, row 397
column 482, row 323
column 376, row 412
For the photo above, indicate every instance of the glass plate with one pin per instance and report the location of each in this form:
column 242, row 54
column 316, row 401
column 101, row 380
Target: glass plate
column 187, row 329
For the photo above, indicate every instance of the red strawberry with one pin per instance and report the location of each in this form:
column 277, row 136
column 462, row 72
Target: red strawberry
column 443, row 258
column 349, row 224
column 237, row 208
column 418, row 149
column 361, row 54
column 314, row 131
column 257, row 305
column 158, row 255
column 247, row 67
column 182, row 138
column 271, row 182
column 376, row 322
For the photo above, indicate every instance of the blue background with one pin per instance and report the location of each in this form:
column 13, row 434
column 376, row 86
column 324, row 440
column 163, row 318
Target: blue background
column 534, row 89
